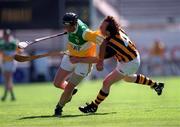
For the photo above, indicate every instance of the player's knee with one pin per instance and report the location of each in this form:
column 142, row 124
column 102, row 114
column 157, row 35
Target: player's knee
column 57, row 84
column 130, row 78
column 75, row 79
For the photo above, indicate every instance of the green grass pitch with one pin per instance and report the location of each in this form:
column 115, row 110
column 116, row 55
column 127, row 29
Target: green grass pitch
column 128, row 105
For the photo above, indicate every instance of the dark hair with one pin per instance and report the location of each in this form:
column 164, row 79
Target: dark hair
column 113, row 27
column 70, row 18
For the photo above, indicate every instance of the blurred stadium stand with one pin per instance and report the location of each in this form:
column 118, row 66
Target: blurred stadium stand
column 148, row 11
column 144, row 21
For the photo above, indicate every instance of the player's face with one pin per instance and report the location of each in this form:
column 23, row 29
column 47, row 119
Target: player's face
column 103, row 27
column 70, row 28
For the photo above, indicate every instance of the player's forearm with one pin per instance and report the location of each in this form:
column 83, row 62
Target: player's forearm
column 8, row 58
column 102, row 50
column 88, row 60
column 83, row 59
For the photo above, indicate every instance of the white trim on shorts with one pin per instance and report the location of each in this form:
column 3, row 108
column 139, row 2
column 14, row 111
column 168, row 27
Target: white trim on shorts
column 128, row 68
column 9, row 66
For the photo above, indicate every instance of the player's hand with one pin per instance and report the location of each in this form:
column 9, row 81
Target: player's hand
column 19, row 50
column 7, row 58
column 100, row 65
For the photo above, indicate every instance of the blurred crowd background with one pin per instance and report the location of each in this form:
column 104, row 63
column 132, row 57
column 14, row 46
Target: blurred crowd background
column 154, row 26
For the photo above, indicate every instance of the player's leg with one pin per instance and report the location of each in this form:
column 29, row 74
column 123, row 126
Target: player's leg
column 122, row 69
column 110, row 79
column 5, row 87
column 131, row 68
column 60, row 78
column 63, row 72
column 8, row 85
column 7, row 69
column 119, row 73
column 66, row 67
column 141, row 79
column 67, row 94
column 80, row 72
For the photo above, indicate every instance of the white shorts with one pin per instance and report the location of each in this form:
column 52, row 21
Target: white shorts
column 130, row 67
column 9, row 66
column 81, row 69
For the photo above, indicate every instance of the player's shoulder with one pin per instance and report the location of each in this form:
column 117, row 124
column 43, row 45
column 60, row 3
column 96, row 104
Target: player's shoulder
column 13, row 42
column 95, row 32
column 82, row 25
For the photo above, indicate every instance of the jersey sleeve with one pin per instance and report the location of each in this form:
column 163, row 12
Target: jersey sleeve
column 93, row 36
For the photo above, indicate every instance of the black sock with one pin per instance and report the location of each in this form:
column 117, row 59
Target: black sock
column 59, row 106
column 141, row 79
column 5, row 93
column 100, row 98
column 12, row 94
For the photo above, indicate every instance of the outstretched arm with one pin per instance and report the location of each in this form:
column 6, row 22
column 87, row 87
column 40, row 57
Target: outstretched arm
column 100, row 62
column 97, row 60
column 83, row 59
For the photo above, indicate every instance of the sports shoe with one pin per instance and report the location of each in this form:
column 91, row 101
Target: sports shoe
column 89, row 108
column 74, row 91
column 13, row 99
column 3, row 99
column 58, row 111
column 159, row 88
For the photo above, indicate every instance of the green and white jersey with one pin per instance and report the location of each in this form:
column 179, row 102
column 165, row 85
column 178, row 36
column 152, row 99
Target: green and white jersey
column 8, row 48
column 76, row 37
column 77, row 45
column 83, row 41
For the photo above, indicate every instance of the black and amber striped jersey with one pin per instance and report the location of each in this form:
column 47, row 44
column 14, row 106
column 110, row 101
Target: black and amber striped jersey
column 109, row 52
column 125, row 49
